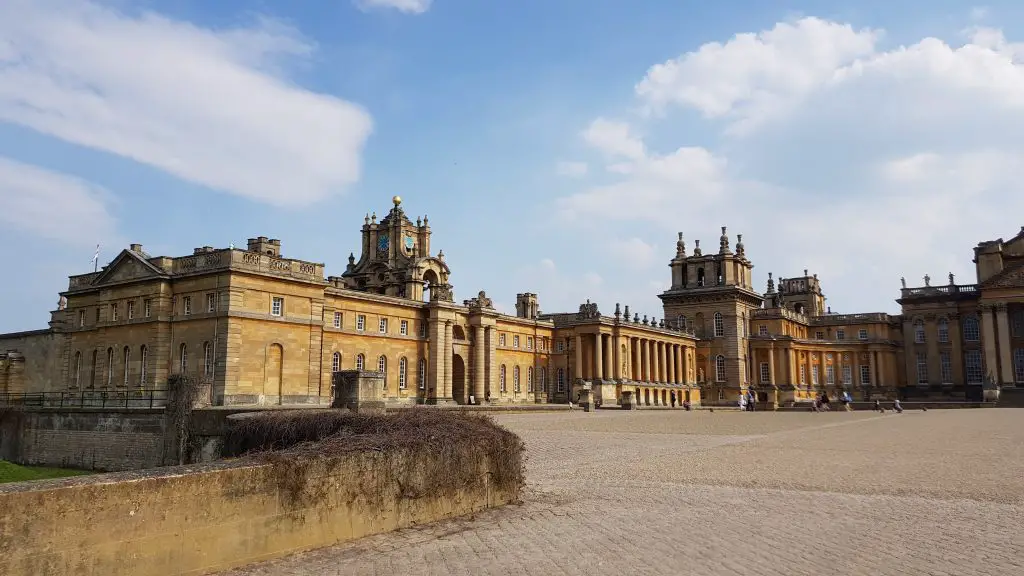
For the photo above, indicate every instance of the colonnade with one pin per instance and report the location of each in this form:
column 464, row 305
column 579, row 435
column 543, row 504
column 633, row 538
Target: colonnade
column 630, row 358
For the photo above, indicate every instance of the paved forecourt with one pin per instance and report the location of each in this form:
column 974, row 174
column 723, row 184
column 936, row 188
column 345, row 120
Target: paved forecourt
column 725, row 492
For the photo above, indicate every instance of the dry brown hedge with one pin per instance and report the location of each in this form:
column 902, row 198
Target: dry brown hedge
column 460, row 443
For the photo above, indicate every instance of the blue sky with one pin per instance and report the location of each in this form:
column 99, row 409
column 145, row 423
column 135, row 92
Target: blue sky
column 558, row 146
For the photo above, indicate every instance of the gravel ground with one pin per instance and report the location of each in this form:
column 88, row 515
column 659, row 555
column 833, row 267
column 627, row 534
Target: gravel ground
column 670, row 492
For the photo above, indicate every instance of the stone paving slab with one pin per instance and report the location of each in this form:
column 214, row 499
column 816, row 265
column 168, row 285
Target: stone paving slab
column 731, row 493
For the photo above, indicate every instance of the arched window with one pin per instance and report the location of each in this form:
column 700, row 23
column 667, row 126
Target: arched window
column 971, row 331
column 501, row 379
column 544, row 379
column 127, row 359
column 183, row 359
column 207, row 359
column 719, row 325
column 943, row 330
column 1018, row 365
column 110, row 366
column 360, row 362
column 681, row 322
column 700, row 276
column 561, row 380
column 529, row 379
column 95, row 369
column 515, row 378
column 423, row 374
column 402, row 364
column 919, row 331
column 76, row 378
column 143, row 357
column 336, row 362
column 382, row 366
column 720, row 368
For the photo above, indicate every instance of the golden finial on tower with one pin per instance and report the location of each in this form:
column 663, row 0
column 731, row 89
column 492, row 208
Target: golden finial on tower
column 397, row 200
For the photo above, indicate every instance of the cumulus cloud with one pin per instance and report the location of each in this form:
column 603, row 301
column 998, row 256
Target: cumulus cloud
column 572, row 169
column 210, row 106
column 834, row 153
column 54, row 206
column 406, row 6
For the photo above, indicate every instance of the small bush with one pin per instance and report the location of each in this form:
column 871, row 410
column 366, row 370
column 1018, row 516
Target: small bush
column 457, row 445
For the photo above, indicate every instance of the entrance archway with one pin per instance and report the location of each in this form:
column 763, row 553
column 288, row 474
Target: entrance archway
column 429, row 281
column 458, row 379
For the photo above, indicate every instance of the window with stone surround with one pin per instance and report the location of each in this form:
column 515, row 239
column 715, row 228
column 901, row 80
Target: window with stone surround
column 126, row 358
column 336, row 362
column 840, row 334
column 819, row 335
column 501, row 378
column 766, row 373
column 361, row 322
column 338, row 319
column 78, row 369
column 720, row 368
column 515, row 341
column 207, row 359
column 130, row 309
column 423, row 374
column 1017, row 324
column 110, row 366
column 919, row 332
column 501, row 339
column 382, row 366
column 529, row 342
column 803, row 374
column 946, row 367
column 847, row 374
column 423, row 329
column 143, row 365
column 360, row 362
column 762, row 330
column 277, row 306
column 719, row 325
column 382, row 326
column 147, row 308
column 862, row 334
column 561, row 346
column 211, row 303
column 830, row 375
column 1018, row 365
column 403, row 328
column 814, row 375
column 972, row 333
column 972, row 366
column 922, row 368
column 186, row 305
column 113, row 312
column 543, row 379
column 560, row 383
column 529, row 379
column 943, row 330
column 402, row 365
column 81, row 318
column 865, row 374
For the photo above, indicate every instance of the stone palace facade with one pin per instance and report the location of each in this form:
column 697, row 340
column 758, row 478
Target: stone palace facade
column 263, row 328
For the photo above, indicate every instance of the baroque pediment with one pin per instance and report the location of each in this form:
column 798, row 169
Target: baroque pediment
column 1012, row 278
column 127, row 266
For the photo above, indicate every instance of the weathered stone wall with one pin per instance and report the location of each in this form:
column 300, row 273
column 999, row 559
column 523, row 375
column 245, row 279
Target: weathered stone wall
column 87, row 439
column 38, row 364
column 198, row 520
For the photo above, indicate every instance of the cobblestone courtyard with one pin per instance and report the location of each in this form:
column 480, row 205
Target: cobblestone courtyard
column 670, row 492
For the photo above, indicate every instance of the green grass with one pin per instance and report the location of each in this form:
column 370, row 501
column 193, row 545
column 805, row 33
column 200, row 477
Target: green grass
column 13, row 473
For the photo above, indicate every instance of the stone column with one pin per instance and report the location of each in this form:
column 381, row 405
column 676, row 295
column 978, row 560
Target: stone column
column 480, row 359
column 492, row 361
column 681, row 363
column 873, row 368
column 578, row 373
column 771, row 364
column 1006, row 375
column 989, row 342
column 609, row 356
column 447, row 352
column 638, row 362
column 598, row 357
column 646, row 345
column 670, row 363
column 616, row 344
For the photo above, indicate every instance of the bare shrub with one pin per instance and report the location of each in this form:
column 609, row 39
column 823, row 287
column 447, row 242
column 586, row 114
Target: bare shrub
column 450, row 448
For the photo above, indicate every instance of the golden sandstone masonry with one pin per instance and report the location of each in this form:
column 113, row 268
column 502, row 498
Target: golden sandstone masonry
column 268, row 329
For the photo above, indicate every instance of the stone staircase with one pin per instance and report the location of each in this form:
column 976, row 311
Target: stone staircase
column 1011, row 398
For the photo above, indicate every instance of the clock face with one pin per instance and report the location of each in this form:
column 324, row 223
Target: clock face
column 408, row 242
column 382, row 243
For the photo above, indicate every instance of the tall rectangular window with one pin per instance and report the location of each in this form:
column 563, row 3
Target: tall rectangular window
column 113, row 312
column 337, row 319
column 840, row 334
column 862, row 334
column 922, row 368
column 501, row 339
column 1018, row 365
column 361, row 322
column 946, row 366
column 515, row 341
column 382, row 326
column 277, row 306
column 814, row 375
column 147, row 308
column 847, row 374
column 81, row 318
column 803, row 375
column 211, row 302
column 973, row 368
column 766, row 373
column 186, row 304
column 830, row 375
column 403, row 328
column 130, row 309
column 529, row 342
column 865, row 374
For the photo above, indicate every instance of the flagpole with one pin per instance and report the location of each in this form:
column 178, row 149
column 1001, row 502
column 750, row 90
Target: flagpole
column 96, row 259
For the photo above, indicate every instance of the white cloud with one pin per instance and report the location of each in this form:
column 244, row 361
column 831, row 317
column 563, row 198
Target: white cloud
column 572, row 169
column 208, row 106
column 54, row 206
column 858, row 162
column 406, row 6
column 633, row 252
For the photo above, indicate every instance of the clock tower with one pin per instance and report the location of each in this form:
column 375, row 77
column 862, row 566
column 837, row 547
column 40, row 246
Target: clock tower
column 396, row 259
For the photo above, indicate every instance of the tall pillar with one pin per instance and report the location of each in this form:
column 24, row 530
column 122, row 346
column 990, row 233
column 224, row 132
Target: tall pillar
column 609, row 356
column 646, row 345
column 480, row 359
column 598, row 357
column 771, row 364
column 578, row 374
column 1006, row 376
column 635, row 364
column 617, row 359
column 447, row 352
column 988, row 341
column 670, row 362
column 681, row 364
column 873, row 368
column 492, row 361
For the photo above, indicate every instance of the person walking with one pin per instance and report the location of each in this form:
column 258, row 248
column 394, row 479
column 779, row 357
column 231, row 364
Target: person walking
column 743, row 402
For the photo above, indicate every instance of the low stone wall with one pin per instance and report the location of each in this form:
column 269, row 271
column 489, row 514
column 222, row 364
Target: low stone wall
column 87, row 439
column 206, row 518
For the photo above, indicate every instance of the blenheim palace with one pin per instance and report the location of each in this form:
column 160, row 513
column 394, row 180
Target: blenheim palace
column 263, row 328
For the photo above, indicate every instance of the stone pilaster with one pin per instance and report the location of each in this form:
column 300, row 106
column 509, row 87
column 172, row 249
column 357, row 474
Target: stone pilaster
column 1005, row 352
